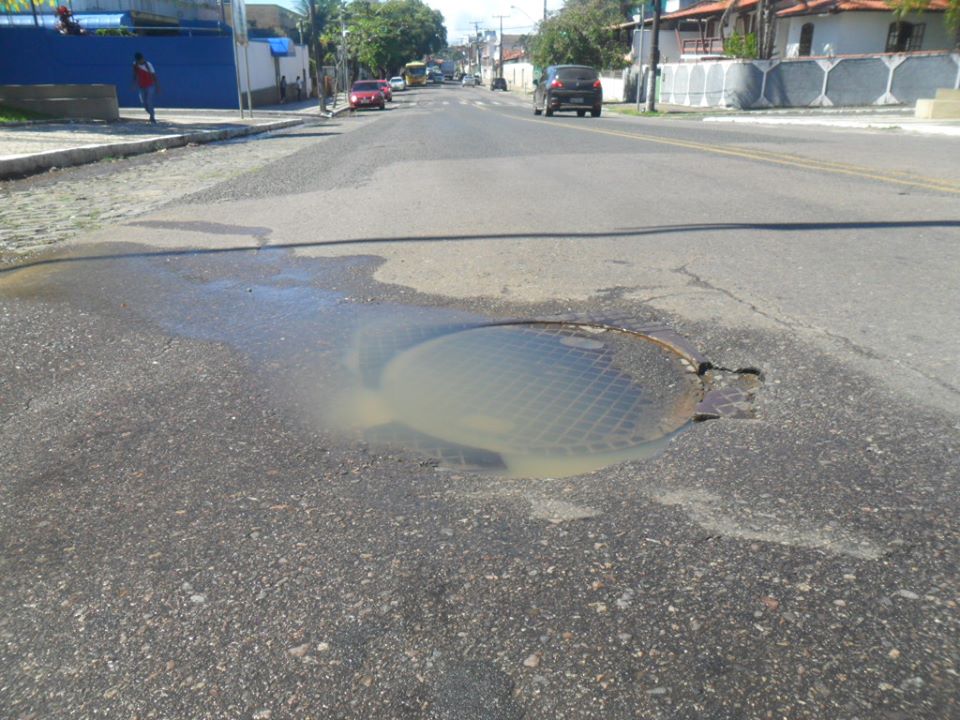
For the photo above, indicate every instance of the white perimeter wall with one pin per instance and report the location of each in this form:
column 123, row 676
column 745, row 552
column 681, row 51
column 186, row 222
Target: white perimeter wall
column 263, row 67
column 519, row 76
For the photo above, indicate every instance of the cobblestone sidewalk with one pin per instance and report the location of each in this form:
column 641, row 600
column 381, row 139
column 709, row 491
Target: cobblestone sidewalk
column 51, row 208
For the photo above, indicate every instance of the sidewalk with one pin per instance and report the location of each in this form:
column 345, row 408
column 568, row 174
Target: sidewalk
column 30, row 148
column 866, row 118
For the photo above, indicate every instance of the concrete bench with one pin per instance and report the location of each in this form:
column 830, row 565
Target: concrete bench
column 87, row 102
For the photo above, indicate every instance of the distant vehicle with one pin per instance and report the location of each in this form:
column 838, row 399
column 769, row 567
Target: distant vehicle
column 448, row 68
column 386, row 89
column 436, row 78
column 498, row 84
column 468, row 80
column 367, row 94
column 397, row 83
column 415, row 73
column 568, row 87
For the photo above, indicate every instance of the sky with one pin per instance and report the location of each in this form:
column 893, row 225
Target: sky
column 459, row 17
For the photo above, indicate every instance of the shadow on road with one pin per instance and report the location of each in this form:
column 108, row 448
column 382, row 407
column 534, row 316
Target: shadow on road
column 261, row 233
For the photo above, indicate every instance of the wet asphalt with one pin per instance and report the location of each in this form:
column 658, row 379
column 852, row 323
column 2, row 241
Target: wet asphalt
column 181, row 535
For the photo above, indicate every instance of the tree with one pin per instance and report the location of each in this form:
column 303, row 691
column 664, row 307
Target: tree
column 581, row 34
column 951, row 15
column 951, row 18
column 384, row 36
column 25, row 6
column 751, row 45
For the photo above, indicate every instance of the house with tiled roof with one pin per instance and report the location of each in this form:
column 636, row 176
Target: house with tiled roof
column 806, row 28
column 859, row 27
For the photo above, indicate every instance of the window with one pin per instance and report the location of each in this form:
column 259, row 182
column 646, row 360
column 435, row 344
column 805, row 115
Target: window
column 905, row 37
column 806, row 40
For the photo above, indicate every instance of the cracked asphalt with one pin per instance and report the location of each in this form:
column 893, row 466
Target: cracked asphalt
column 184, row 533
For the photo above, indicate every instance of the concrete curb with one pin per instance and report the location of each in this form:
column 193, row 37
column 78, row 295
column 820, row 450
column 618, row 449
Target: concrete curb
column 31, row 164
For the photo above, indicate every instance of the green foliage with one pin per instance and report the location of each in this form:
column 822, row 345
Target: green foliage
column 580, row 34
column 114, row 32
column 741, row 46
column 951, row 18
column 902, row 8
column 15, row 115
column 23, row 6
column 384, row 36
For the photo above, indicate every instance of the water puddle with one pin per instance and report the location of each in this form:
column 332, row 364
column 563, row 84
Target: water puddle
column 550, row 398
column 528, row 399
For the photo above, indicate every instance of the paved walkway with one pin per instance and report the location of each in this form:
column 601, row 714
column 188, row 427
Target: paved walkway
column 30, row 148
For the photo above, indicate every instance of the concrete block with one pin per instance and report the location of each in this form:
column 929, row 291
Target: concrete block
column 87, row 102
column 947, row 94
column 937, row 109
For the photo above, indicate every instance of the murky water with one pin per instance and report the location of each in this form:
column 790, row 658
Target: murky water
column 522, row 399
column 525, row 399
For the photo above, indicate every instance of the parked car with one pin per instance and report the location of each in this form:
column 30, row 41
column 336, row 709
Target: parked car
column 498, row 84
column 568, row 87
column 468, row 80
column 367, row 94
column 398, row 83
column 387, row 90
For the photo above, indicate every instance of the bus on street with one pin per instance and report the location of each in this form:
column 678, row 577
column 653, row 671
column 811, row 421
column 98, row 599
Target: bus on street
column 415, row 73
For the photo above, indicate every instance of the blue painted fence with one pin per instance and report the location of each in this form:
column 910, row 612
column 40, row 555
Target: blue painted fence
column 194, row 71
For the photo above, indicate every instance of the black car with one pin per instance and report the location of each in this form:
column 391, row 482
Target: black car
column 568, row 87
column 499, row 84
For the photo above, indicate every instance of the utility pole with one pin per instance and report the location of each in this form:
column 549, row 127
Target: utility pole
column 500, row 70
column 639, row 42
column 476, row 40
column 654, row 57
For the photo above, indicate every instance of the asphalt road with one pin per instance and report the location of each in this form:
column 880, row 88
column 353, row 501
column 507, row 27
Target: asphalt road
column 191, row 528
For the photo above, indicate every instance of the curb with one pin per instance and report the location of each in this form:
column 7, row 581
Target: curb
column 25, row 165
column 880, row 123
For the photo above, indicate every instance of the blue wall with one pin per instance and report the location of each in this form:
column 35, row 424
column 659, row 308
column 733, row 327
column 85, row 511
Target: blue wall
column 194, row 71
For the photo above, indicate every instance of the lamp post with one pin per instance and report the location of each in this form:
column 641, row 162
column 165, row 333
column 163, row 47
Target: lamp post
column 514, row 7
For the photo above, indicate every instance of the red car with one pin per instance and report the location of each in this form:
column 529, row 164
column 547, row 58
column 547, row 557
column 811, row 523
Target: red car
column 367, row 94
column 387, row 90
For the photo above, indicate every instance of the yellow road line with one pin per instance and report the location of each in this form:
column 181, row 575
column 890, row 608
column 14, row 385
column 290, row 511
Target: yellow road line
column 770, row 157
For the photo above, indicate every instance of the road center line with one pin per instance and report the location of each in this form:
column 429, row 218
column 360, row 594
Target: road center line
column 774, row 158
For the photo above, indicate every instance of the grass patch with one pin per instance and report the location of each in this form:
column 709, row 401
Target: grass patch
column 633, row 111
column 674, row 114
column 14, row 115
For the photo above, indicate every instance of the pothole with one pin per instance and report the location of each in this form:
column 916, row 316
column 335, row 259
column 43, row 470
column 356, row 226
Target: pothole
column 544, row 398
column 532, row 399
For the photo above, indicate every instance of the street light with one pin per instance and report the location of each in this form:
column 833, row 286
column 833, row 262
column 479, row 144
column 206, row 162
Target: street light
column 514, row 7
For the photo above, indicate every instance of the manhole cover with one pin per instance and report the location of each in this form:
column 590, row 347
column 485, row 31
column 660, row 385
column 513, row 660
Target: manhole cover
column 535, row 399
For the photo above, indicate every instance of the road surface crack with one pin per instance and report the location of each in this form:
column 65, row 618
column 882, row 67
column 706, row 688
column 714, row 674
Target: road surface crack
column 795, row 325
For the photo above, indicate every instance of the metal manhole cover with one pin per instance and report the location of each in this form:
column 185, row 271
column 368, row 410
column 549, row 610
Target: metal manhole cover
column 536, row 398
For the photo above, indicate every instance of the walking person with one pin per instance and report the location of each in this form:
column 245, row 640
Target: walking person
column 283, row 89
column 299, row 85
column 145, row 79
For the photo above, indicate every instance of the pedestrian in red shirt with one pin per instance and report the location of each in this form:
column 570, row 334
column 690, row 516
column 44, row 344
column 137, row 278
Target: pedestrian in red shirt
column 145, row 79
